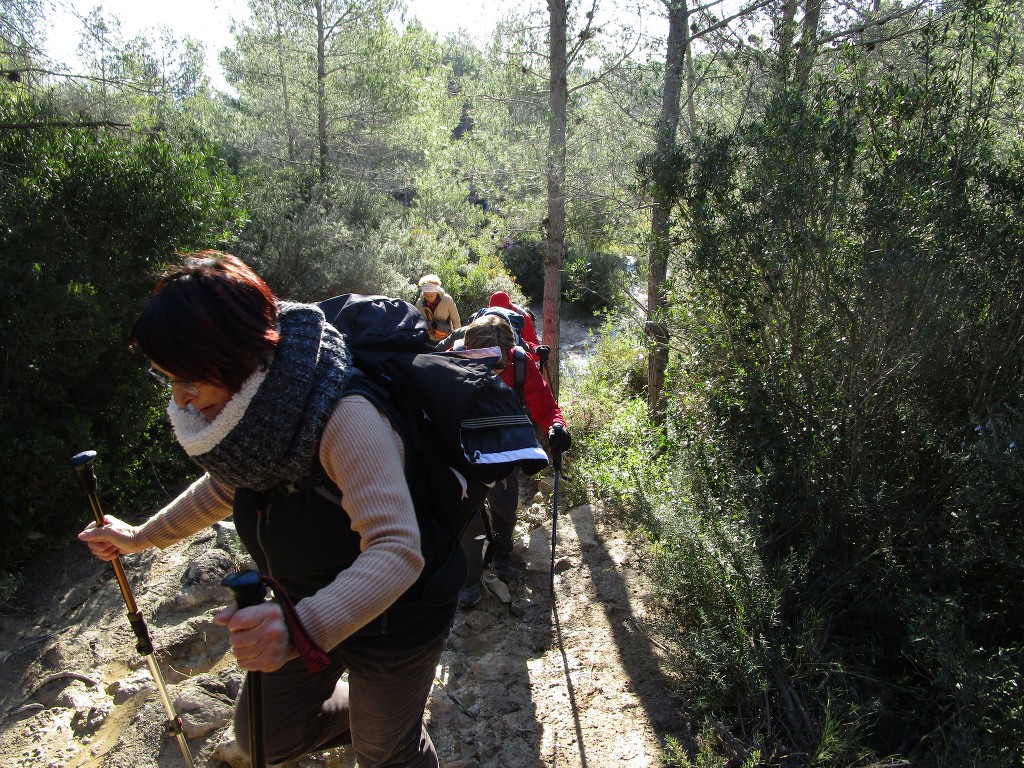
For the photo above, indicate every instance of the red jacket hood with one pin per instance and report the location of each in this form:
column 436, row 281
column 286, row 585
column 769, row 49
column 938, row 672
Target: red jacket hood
column 500, row 299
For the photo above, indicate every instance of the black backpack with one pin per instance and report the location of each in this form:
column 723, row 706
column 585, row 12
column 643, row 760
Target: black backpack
column 463, row 429
column 516, row 320
column 521, row 352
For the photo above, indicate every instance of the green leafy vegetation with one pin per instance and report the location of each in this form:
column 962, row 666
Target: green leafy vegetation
column 87, row 217
column 828, row 528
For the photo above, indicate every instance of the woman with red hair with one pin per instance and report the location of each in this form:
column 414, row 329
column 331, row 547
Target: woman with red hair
column 313, row 476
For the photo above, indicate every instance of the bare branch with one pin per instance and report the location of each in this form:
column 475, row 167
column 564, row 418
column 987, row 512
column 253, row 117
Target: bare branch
column 139, row 86
column 872, row 23
column 757, row 5
column 600, row 77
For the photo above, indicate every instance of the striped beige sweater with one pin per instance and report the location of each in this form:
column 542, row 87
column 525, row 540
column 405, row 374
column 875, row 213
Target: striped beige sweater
column 364, row 457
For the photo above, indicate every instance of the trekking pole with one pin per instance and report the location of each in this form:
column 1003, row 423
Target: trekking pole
column 249, row 590
column 554, row 518
column 82, row 463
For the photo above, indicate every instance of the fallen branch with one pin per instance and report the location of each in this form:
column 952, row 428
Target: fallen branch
column 27, row 706
column 636, row 628
column 64, row 676
column 451, row 696
column 732, row 745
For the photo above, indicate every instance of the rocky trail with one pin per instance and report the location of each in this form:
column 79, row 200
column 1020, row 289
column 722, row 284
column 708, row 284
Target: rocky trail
column 520, row 686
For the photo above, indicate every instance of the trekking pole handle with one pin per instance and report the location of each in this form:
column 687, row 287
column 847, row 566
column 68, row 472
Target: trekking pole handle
column 82, row 464
column 247, row 586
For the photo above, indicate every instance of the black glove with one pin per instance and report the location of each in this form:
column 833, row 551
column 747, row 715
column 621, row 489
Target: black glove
column 433, row 325
column 558, row 437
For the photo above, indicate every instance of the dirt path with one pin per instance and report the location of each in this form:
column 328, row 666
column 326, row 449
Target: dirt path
column 520, row 686
column 577, row 686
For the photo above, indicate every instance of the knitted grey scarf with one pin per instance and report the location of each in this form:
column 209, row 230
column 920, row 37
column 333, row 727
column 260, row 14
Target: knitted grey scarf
column 269, row 432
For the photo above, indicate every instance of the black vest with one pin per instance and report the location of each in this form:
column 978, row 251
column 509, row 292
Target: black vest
column 302, row 537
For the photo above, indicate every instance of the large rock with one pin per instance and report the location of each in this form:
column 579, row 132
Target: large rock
column 204, row 704
column 201, row 582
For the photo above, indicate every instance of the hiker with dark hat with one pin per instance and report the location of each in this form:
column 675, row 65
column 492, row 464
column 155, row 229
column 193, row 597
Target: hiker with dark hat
column 496, row 522
column 258, row 400
column 437, row 308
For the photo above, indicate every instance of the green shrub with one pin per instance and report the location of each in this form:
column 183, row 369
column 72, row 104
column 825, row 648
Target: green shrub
column 466, row 264
column 311, row 241
column 594, row 282
column 86, row 219
column 524, row 260
column 472, row 283
column 705, row 561
column 614, row 368
column 834, row 518
column 614, row 440
column 841, row 369
column 304, row 240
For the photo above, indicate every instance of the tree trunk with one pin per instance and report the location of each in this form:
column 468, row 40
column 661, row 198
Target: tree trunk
column 675, row 57
column 321, row 89
column 558, row 99
column 691, row 77
column 787, row 36
column 282, row 68
column 807, row 51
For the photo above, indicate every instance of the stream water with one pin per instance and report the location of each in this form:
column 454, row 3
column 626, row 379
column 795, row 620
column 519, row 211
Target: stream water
column 577, row 338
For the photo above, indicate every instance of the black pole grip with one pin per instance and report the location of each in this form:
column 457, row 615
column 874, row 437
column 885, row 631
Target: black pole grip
column 143, row 644
column 82, row 464
column 247, row 586
column 249, row 590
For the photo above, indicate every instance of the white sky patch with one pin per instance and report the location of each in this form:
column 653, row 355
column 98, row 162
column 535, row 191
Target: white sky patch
column 209, row 21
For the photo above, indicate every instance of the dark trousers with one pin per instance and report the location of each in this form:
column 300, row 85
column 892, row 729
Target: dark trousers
column 379, row 710
column 494, row 526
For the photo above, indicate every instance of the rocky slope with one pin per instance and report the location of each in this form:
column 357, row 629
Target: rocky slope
column 525, row 681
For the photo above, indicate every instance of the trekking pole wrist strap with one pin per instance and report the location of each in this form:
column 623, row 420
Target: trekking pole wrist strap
column 313, row 656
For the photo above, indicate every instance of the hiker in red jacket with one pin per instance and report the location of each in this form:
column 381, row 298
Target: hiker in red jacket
column 501, row 299
column 497, row 520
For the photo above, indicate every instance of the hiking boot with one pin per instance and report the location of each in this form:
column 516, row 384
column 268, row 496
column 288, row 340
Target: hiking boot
column 470, row 596
column 503, row 567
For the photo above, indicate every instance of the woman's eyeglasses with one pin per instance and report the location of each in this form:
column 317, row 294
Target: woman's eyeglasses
column 169, row 383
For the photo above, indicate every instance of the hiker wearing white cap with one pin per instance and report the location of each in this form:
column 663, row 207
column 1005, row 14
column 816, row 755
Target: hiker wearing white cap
column 438, row 308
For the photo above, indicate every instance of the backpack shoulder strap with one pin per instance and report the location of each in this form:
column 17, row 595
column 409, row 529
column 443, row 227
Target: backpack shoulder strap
column 519, row 371
column 402, row 420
